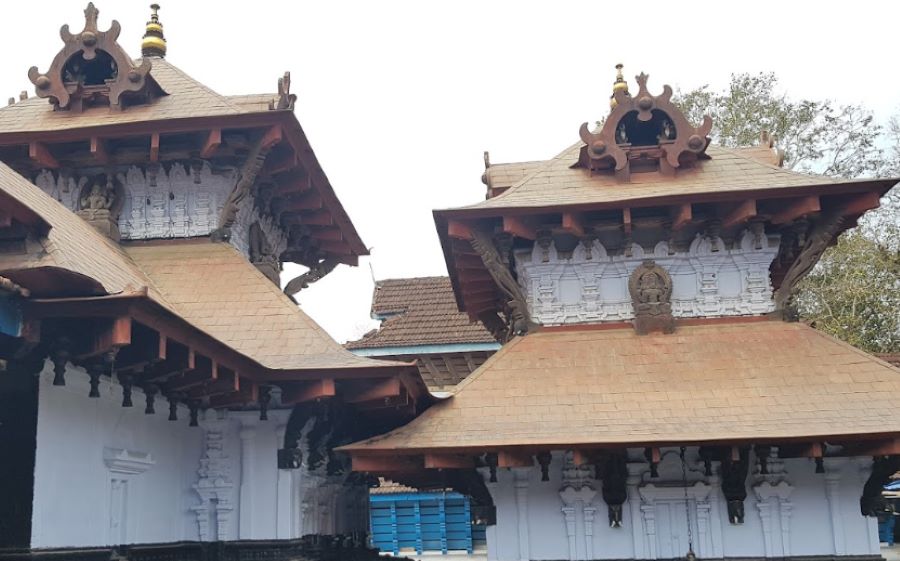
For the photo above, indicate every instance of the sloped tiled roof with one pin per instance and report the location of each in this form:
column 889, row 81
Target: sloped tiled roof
column 187, row 98
column 557, row 183
column 214, row 287
column 757, row 380
column 210, row 285
column 421, row 311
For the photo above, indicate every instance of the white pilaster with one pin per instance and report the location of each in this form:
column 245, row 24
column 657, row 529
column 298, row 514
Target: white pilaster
column 248, row 454
column 833, row 472
column 521, row 489
column 283, row 496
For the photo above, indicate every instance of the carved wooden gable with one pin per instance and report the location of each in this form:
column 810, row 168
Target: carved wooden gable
column 93, row 69
column 644, row 132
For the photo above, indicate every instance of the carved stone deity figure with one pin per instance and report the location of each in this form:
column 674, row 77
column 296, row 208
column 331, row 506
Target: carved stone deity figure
column 650, row 287
column 261, row 254
column 98, row 207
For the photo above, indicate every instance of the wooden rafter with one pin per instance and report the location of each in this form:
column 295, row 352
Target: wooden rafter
column 301, row 392
column 572, row 223
column 519, row 227
column 459, row 230
column 41, row 155
column 248, row 393
column 681, row 216
column 154, row 147
column 98, row 150
column 626, row 221
column 796, row 209
column 449, row 461
column 211, row 144
column 332, row 233
column 272, row 137
column 385, row 389
column 861, row 203
column 384, row 464
column 740, row 214
column 507, row 459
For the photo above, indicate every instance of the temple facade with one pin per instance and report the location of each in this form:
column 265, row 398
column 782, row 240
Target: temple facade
column 655, row 397
column 162, row 396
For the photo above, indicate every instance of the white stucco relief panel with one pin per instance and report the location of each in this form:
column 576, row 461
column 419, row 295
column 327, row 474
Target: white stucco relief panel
column 589, row 285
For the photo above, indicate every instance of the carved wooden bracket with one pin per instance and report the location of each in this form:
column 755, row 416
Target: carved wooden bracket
column 519, row 319
column 312, row 275
column 91, row 64
column 644, row 126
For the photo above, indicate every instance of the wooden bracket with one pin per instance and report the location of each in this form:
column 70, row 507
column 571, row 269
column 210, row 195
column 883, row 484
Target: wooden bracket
column 681, row 217
column 154, row 147
column 272, row 137
column 797, row 209
column 518, row 227
column 449, row 461
column 572, row 224
column 113, row 336
column 743, row 212
column 626, row 221
column 212, row 143
column 98, row 150
column 382, row 464
column 459, row 230
column 514, row 459
column 861, row 203
column 41, row 155
column 384, row 389
column 293, row 393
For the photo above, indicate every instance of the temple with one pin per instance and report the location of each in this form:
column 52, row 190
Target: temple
column 161, row 396
column 655, row 397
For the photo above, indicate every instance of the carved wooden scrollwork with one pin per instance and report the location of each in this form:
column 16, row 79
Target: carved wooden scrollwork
column 675, row 138
column 67, row 79
column 516, row 309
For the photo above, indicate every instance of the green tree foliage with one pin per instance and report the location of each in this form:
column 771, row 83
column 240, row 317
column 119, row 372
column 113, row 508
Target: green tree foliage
column 854, row 292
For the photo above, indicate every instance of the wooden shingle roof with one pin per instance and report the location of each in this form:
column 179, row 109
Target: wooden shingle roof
column 757, row 380
column 419, row 311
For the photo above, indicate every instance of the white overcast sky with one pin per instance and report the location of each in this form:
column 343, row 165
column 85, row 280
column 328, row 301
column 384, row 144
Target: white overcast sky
column 400, row 99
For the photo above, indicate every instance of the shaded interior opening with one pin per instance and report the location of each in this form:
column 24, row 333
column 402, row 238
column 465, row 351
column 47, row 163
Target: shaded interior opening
column 93, row 72
column 657, row 130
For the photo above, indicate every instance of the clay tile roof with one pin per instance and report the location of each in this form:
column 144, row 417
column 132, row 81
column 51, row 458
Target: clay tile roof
column 214, row 287
column 755, row 380
column 557, row 183
column 187, row 98
column 421, row 311
column 500, row 176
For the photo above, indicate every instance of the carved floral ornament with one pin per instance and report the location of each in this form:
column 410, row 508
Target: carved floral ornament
column 644, row 126
column 91, row 65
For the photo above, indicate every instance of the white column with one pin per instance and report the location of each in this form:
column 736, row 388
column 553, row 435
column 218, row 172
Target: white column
column 865, row 470
column 784, row 510
column 634, row 503
column 765, row 515
column 521, row 487
column 715, row 520
column 248, row 453
column 832, row 492
column 589, row 512
column 284, row 494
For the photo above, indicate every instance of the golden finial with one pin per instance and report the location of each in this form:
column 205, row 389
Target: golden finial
column 154, row 43
column 619, row 85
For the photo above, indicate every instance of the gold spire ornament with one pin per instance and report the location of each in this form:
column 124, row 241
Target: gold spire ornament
column 154, row 42
column 619, row 85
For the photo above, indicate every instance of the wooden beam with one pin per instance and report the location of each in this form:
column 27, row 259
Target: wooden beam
column 115, row 335
column 154, row 147
column 386, row 464
column 477, row 286
column 681, row 217
column 449, row 461
column 294, row 393
column 189, row 380
column 740, row 214
column 572, row 224
column 6, row 219
column 796, row 209
column 861, row 203
column 248, row 393
column 514, row 459
column 384, row 389
column 41, row 155
column 890, row 447
column 466, row 261
column 162, row 349
column 335, row 247
column 308, row 200
column 211, row 144
column 320, row 217
column 281, row 165
column 467, row 276
column 220, row 386
column 459, row 230
column 519, row 228
column 626, row 221
column 331, row 234
column 98, row 150
column 272, row 137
